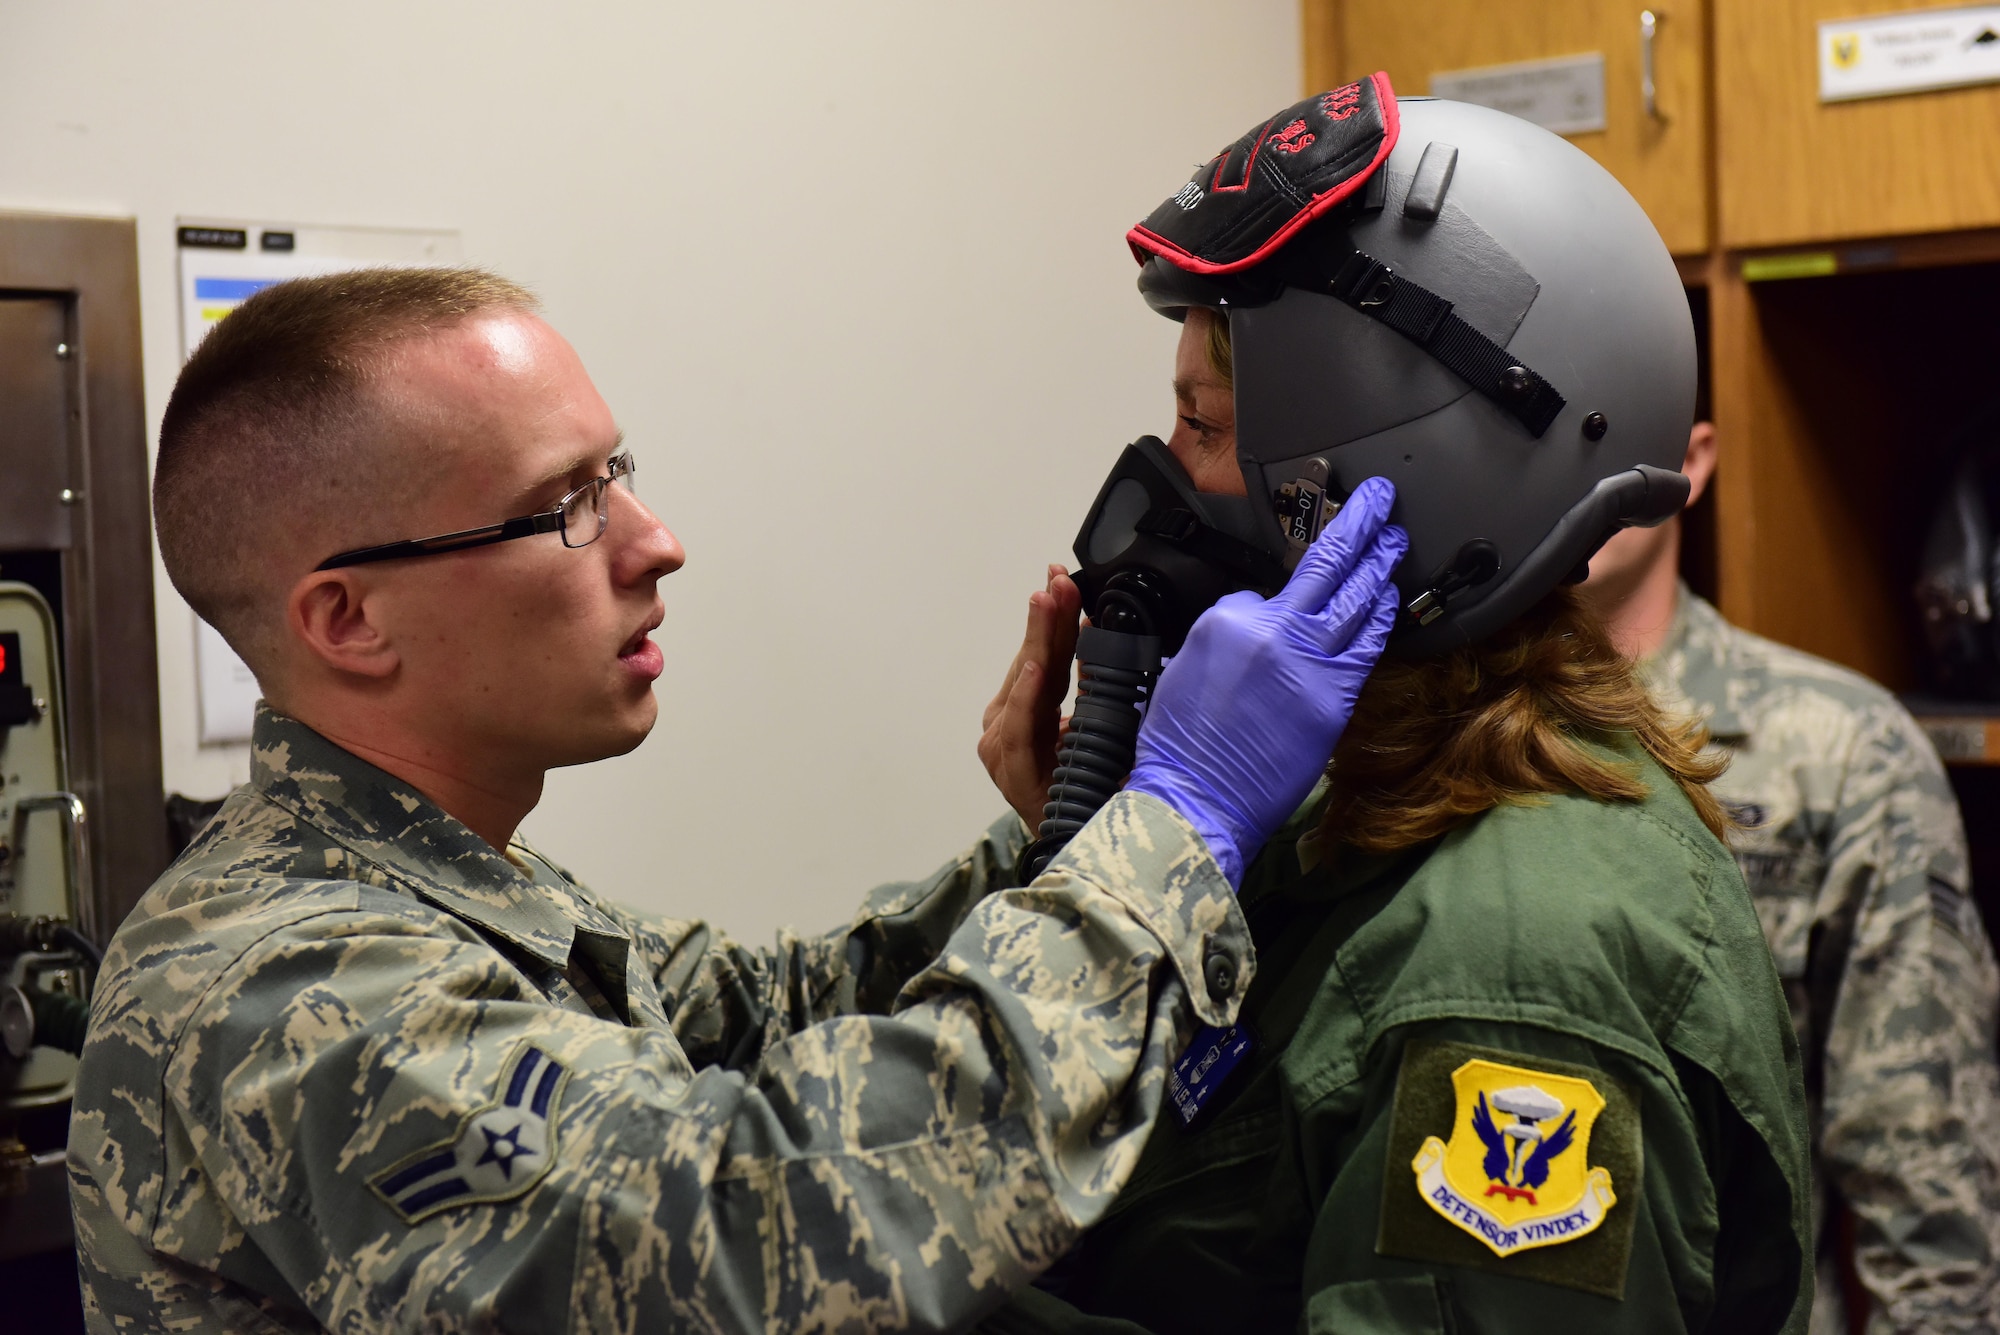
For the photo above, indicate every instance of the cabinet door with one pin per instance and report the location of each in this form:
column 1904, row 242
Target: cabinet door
column 1662, row 158
column 1790, row 168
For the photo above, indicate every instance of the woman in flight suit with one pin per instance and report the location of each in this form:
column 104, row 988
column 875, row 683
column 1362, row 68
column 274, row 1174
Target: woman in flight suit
column 1515, row 1057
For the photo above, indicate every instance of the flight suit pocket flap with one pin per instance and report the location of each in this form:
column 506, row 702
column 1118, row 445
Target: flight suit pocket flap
column 1411, row 1303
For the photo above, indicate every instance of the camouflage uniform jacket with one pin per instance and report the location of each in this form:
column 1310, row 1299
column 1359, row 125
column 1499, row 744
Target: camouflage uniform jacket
column 1856, row 860
column 350, row 1067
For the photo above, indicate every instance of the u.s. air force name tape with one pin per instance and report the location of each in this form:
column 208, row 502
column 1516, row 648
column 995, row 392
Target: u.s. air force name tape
column 497, row 1152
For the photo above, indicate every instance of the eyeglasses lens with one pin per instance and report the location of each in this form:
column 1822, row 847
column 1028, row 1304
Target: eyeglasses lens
column 584, row 513
column 587, row 510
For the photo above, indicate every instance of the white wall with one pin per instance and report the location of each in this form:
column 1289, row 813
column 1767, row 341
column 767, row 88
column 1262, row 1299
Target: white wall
column 851, row 275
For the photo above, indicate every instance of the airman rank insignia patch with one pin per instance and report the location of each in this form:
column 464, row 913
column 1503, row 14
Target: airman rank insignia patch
column 497, row 1153
column 1508, row 1163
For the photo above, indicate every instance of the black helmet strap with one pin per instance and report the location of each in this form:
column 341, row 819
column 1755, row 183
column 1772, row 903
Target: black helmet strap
column 1186, row 530
column 1427, row 319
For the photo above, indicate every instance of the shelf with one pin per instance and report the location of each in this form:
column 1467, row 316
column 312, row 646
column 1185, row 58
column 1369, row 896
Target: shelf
column 1878, row 255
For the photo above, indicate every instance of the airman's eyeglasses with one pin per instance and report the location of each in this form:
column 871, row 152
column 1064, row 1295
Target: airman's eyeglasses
column 580, row 517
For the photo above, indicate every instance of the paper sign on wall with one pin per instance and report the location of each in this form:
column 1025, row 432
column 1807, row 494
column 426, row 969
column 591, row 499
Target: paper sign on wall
column 223, row 264
column 1908, row 52
column 1565, row 95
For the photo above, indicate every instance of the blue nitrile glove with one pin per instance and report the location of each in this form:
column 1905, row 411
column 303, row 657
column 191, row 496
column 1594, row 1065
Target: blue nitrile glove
column 1246, row 715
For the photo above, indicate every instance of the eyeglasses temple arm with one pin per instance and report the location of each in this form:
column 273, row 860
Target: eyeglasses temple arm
column 447, row 542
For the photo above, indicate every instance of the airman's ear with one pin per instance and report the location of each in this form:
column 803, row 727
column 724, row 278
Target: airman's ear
column 1700, row 462
column 329, row 614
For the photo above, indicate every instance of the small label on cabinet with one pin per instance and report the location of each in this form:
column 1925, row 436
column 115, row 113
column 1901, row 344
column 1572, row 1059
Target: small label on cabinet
column 1908, row 52
column 1565, row 95
column 1960, row 740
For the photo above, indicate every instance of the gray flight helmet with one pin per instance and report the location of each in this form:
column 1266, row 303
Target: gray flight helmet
column 1540, row 250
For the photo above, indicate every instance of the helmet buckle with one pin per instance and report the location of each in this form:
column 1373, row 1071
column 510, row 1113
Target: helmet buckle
column 1364, row 282
column 1477, row 561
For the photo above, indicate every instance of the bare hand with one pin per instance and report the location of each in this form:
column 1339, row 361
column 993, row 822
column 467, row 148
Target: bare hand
column 1024, row 723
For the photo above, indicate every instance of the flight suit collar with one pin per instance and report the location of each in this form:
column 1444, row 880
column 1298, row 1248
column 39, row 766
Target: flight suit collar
column 605, row 944
column 1692, row 669
column 385, row 821
column 1299, row 865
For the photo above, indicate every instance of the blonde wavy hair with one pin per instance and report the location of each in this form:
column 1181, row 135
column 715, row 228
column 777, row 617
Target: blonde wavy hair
column 1543, row 706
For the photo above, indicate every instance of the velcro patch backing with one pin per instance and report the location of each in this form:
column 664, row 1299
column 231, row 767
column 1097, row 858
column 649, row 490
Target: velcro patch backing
column 1512, row 1164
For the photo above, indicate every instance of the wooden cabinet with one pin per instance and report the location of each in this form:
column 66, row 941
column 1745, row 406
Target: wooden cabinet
column 1662, row 158
column 1791, row 169
column 1847, row 259
column 1837, row 401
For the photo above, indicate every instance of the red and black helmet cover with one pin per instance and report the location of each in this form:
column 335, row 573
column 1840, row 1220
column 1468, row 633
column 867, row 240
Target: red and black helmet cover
column 1254, row 195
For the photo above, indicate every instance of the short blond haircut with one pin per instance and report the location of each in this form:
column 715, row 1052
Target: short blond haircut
column 275, row 432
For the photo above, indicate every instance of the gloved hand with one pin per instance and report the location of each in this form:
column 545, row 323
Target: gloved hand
column 1246, row 715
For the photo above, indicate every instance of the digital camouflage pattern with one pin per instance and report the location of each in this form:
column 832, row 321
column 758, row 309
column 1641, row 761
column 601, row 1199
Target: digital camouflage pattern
column 337, row 984
column 1856, row 859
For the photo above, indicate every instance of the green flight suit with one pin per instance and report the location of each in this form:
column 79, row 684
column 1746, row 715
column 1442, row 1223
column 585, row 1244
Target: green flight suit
column 1580, row 940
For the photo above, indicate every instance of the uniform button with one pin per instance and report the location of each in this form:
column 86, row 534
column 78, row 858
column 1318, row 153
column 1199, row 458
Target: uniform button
column 1220, row 970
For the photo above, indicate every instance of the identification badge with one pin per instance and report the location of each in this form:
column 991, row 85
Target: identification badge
column 1197, row 1080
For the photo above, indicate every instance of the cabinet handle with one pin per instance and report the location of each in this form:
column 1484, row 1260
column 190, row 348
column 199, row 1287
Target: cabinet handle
column 82, row 907
column 1649, row 28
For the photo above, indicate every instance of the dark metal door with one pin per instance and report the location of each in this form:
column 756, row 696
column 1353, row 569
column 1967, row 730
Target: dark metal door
column 37, row 482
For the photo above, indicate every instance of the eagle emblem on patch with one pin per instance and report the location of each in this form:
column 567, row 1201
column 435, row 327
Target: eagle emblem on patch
column 1516, row 1172
column 496, row 1153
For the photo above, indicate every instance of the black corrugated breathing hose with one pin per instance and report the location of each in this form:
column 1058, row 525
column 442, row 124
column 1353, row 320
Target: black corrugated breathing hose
column 1116, row 672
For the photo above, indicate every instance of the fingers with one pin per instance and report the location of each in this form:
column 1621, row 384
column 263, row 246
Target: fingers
column 1066, row 607
column 1017, row 764
column 1023, row 723
column 1333, row 554
column 1368, row 643
column 1043, row 635
column 1354, row 601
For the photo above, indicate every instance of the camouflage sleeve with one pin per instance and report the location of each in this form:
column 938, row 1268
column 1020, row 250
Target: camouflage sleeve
column 342, row 1088
column 1911, row 1095
column 729, row 1002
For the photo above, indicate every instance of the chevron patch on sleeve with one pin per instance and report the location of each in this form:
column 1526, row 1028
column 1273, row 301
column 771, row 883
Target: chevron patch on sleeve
column 497, row 1152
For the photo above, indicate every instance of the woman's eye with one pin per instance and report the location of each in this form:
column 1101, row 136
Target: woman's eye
column 1195, row 424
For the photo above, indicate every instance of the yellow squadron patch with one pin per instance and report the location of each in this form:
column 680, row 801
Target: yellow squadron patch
column 1515, row 1173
